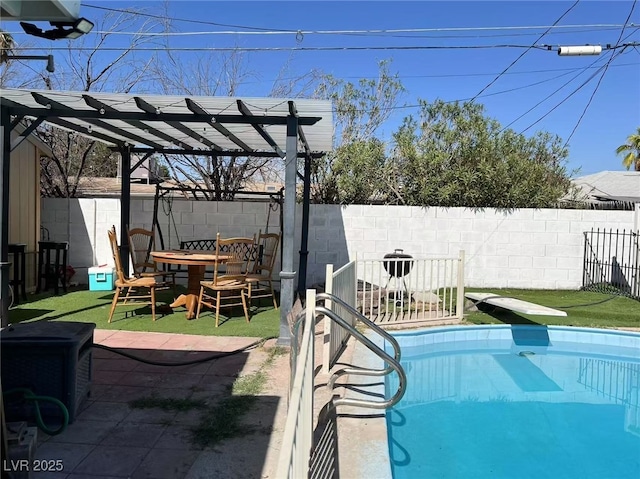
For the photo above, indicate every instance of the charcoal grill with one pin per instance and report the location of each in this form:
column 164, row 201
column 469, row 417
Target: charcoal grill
column 398, row 269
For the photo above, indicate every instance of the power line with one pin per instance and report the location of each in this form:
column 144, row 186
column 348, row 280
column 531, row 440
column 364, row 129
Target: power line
column 606, row 67
column 277, row 31
column 460, row 75
column 290, row 49
column 362, row 33
column 525, row 52
column 592, row 65
column 160, row 17
column 569, row 96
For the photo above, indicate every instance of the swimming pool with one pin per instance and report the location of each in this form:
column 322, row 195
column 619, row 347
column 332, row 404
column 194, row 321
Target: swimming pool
column 517, row 402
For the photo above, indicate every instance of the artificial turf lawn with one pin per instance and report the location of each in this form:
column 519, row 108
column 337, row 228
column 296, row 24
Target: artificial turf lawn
column 583, row 308
column 93, row 307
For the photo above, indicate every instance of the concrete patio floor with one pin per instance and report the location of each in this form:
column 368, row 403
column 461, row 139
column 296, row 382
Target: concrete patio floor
column 111, row 439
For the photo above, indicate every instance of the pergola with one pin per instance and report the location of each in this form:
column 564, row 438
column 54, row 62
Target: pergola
column 146, row 124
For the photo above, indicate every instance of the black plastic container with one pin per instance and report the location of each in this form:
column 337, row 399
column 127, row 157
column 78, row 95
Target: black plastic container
column 50, row 358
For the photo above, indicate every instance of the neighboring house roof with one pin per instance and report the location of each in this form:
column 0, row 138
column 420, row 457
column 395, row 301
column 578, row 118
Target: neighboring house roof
column 108, row 187
column 608, row 186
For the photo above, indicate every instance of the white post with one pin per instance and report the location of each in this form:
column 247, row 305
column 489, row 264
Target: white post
column 326, row 343
column 460, row 287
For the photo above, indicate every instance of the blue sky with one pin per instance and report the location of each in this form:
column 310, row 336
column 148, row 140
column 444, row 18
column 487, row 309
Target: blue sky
column 450, row 73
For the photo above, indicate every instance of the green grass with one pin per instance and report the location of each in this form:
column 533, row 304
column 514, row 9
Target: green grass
column 168, row 404
column 224, row 420
column 93, row 307
column 584, row 308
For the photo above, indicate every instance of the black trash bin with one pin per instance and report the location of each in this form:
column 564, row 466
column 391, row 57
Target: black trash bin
column 50, row 358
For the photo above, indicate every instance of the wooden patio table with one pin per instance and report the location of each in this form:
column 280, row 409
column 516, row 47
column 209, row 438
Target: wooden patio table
column 196, row 262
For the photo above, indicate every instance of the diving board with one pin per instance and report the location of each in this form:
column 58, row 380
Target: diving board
column 513, row 304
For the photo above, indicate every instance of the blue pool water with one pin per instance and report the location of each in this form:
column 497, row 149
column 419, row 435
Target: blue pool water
column 517, row 402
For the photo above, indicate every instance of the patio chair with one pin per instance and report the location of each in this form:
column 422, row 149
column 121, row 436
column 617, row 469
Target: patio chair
column 141, row 243
column 260, row 284
column 132, row 285
column 228, row 288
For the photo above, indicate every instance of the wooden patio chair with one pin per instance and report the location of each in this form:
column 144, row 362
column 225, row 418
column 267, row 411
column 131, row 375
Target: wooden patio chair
column 228, row 288
column 259, row 280
column 141, row 243
column 132, row 285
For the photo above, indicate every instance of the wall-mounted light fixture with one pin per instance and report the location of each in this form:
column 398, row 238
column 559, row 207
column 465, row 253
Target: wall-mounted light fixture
column 62, row 30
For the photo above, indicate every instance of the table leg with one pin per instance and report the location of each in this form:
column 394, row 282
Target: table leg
column 190, row 299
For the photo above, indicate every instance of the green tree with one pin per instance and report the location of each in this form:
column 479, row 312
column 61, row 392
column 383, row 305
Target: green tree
column 456, row 156
column 631, row 151
column 355, row 170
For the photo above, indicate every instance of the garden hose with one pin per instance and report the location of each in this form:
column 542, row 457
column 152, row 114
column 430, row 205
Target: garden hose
column 184, row 363
column 30, row 396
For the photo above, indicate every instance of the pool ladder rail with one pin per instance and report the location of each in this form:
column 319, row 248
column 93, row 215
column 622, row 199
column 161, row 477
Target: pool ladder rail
column 393, row 363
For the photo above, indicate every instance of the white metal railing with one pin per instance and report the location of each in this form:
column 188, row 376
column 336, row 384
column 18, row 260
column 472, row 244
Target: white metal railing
column 432, row 288
column 298, row 432
column 296, row 452
column 391, row 363
column 342, row 284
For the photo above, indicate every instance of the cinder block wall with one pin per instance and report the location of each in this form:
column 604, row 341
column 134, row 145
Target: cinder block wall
column 525, row 248
column 84, row 223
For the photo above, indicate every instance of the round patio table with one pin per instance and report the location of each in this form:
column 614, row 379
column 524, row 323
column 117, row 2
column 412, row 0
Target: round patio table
column 196, row 263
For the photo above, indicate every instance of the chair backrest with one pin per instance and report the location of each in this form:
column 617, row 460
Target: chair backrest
column 115, row 250
column 267, row 252
column 238, row 253
column 140, row 246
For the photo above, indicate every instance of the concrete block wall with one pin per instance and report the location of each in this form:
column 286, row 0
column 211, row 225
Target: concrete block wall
column 526, row 248
column 84, row 223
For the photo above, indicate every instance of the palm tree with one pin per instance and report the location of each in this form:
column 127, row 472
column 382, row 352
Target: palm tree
column 632, row 151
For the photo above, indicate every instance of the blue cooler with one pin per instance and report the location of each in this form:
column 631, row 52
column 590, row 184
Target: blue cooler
column 101, row 278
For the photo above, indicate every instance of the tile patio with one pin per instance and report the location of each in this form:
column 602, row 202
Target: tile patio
column 111, row 439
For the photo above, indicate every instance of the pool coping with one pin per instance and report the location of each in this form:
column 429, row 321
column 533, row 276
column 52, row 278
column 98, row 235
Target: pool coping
column 366, row 429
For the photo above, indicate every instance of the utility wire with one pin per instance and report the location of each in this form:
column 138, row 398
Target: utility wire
column 606, row 67
column 363, row 33
column 583, row 70
column 455, row 75
column 287, row 49
column 161, row 17
column 569, row 96
column 525, row 52
column 274, row 31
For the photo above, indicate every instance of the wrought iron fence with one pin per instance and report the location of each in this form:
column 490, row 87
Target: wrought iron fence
column 612, row 262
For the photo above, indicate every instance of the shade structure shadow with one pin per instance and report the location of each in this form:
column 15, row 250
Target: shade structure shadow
column 145, row 418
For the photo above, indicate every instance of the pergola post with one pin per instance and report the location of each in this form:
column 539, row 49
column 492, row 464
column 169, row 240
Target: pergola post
column 304, row 235
column 287, row 275
column 5, row 164
column 125, row 205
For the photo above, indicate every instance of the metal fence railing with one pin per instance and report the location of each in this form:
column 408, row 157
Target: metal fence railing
column 611, row 262
column 297, row 439
column 341, row 283
column 416, row 289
